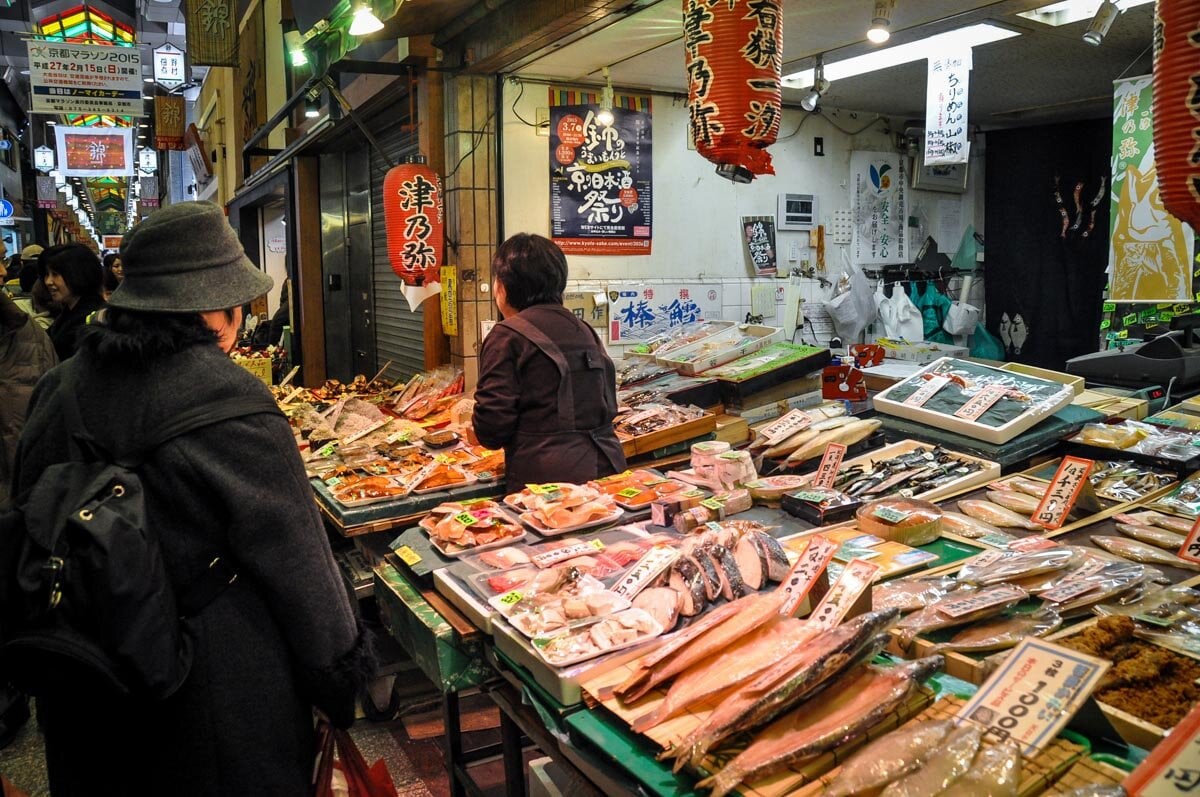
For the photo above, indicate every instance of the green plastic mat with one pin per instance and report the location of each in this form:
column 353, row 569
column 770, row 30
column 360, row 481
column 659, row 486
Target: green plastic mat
column 950, row 551
column 613, row 744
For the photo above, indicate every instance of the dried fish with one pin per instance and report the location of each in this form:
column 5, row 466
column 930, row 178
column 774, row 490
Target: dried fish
column 1009, row 565
column 910, row 594
column 1002, row 632
column 934, row 616
column 1011, row 499
column 889, row 757
column 995, row 772
column 1032, row 487
column 996, row 515
column 947, row 764
column 1136, row 551
column 1152, row 535
column 1162, row 520
column 967, row 526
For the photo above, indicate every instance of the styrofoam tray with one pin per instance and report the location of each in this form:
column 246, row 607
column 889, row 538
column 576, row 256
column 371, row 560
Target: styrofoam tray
column 539, row 644
column 471, row 479
column 689, row 361
column 528, row 519
column 463, row 599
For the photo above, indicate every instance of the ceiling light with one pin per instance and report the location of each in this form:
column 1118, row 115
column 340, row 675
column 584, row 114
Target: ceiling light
column 1067, row 12
column 881, row 21
column 312, row 109
column 365, row 22
column 294, row 43
column 51, row 122
column 1098, row 29
column 605, row 114
column 897, row 54
column 147, row 80
column 820, row 86
column 24, row 71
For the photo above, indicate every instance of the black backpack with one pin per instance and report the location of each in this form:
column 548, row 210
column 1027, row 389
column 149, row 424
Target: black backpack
column 84, row 592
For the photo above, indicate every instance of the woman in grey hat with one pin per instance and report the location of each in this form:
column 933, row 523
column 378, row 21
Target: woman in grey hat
column 283, row 637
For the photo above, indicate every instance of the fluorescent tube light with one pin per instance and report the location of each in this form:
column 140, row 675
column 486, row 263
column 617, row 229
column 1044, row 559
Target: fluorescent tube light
column 895, row 55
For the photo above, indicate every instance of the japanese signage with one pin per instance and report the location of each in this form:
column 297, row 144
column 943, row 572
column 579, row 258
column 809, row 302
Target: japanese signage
column 85, row 78
column 148, row 160
column 212, row 32
column 600, row 176
column 1190, row 549
column 1004, row 593
column 149, row 192
column 448, row 300
column 653, row 564
column 168, row 122
column 43, row 159
column 95, row 151
column 794, row 421
column 1173, row 766
column 855, row 579
column 946, row 109
column 830, row 464
column 980, row 403
column 1033, row 695
column 759, row 232
column 412, row 206
column 168, row 66
column 1065, row 487
column 584, row 306
column 47, row 193
column 927, row 391
column 639, row 312
column 804, row 574
column 112, row 241
column 1150, row 251
column 879, row 206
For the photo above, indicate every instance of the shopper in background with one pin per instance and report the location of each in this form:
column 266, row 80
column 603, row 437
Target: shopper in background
column 74, row 278
column 280, row 639
column 113, row 273
column 23, row 274
column 547, row 390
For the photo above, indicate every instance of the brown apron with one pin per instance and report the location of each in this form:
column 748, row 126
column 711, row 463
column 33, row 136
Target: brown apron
column 567, row 453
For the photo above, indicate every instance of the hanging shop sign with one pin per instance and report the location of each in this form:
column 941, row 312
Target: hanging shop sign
column 639, row 312
column 47, row 192
column 212, row 28
column 879, row 206
column 148, row 160
column 169, row 118
column 169, row 66
column 197, row 154
column 1150, row 250
column 112, row 241
column 1176, row 110
column 600, row 175
column 734, row 58
column 946, row 90
column 412, row 206
column 85, row 78
column 43, row 159
column 95, row 151
column 759, row 233
column 448, row 300
column 148, row 195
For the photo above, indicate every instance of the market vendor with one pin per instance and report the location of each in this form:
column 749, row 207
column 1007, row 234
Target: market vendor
column 547, row 390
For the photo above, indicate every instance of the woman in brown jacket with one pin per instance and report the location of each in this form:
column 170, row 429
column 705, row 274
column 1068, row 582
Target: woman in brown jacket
column 547, row 390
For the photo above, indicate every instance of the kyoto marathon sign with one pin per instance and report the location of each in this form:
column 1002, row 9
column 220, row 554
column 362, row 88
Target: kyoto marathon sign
column 85, row 78
column 639, row 312
column 600, row 179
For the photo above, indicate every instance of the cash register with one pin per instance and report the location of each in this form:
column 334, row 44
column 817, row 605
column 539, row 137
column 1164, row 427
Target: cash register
column 1171, row 359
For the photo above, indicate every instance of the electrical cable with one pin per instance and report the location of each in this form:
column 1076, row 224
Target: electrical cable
column 1135, row 60
column 862, row 129
column 807, row 115
column 471, row 151
column 517, row 99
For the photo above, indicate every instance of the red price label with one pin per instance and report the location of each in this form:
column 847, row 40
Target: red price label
column 927, row 391
column 831, row 463
column 1064, row 491
column 980, row 403
column 628, row 196
column 1190, row 549
column 564, row 154
column 808, row 568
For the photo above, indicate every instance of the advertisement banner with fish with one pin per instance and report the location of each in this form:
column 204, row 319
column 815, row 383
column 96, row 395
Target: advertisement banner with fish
column 639, row 312
column 600, row 175
column 879, row 206
column 1150, row 251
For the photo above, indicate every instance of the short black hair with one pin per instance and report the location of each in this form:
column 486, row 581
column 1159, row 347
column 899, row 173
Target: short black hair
column 29, row 275
column 78, row 266
column 108, row 260
column 532, row 269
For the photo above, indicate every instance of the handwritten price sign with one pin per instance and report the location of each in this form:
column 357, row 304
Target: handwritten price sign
column 831, row 463
column 807, row 570
column 1173, row 767
column 1190, row 549
column 1064, row 491
column 851, row 584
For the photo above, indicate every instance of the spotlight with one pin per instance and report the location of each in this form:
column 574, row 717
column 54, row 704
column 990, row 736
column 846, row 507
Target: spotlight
column 881, row 21
column 1098, row 29
column 294, row 43
column 312, row 108
column 605, row 116
column 819, row 87
column 365, row 22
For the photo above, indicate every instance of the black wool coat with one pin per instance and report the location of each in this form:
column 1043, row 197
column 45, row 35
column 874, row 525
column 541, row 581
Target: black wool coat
column 282, row 638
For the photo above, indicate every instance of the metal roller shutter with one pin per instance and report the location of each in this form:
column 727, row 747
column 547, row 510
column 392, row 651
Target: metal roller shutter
column 399, row 333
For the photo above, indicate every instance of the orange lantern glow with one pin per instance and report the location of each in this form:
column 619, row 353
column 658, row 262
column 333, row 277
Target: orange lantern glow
column 412, row 206
column 734, row 57
column 1177, row 107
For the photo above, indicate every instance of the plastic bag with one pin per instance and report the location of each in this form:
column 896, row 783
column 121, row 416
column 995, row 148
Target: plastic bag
column 961, row 318
column 901, row 318
column 852, row 310
column 985, row 345
column 342, row 770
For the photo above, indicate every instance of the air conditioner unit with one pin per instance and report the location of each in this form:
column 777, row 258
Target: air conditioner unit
column 797, row 212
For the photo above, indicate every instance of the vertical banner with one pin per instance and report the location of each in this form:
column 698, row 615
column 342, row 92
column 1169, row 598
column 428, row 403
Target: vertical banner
column 169, row 117
column 149, row 192
column 759, row 232
column 946, row 109
column 879, row 206
column 600, row 175
column 1150, row 251
column 448, row 300
column 212, row 28
column 250, row 78
column 47, row 193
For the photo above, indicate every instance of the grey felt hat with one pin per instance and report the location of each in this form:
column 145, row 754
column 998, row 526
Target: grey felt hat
column 186, row 258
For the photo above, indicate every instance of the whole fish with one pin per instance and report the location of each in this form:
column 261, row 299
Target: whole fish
column 790, row 444
column 1097, row 790
column 933, row 616
column 949, row 763
column 910, row 594
column 784, row 684
column 1115, row 580
column 1152, row 535
column 742, row 660
column 1163, row 521
column 855, row 431
column 967, row 526
column 889, row 757
column 1002, row 632
column 855, row 703
column 996, row 515
column 995, row 772
column 989, row 569
column 1011, row 499
column 1136, row 551
column 1028, row 486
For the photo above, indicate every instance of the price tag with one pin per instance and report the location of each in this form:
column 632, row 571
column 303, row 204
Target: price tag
column 982, row 600
column 1034, row 693
column 714, row 526
column 831, row 463
column 327, row 450
column 291, row 396
column 713, row 504
column 399, row 437
column 980, row 403
column 927, row 391
column 553, row 557
column 811, row 496
column 599, row 546
column 889, row 515
column 408, row 555
column 809, row 565
column 1064, row 491
column 373, row 427
column 1190, row 550
column 542, row 489
column 648, row 568
column 848, row 552
column 630, row 492
column 465, row 518
column 1068, row 591
column 443, row 459
column 1173, row 766
column 788, row 425
column 334, row 482
column 855, row 579
column 692, row 494
column 511, row 598
column 1027, row 544
column 997, row 539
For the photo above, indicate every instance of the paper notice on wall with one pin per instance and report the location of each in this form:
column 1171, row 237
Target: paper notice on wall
column 879, row 204
column 946, row 108
column 640, row 312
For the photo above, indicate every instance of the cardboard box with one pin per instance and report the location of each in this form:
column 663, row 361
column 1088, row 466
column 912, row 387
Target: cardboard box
column 777, row 409
column 721, row 348
column 1075, row 382
column 921, row 351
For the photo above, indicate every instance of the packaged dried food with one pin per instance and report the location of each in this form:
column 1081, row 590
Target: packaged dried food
column 903, row 520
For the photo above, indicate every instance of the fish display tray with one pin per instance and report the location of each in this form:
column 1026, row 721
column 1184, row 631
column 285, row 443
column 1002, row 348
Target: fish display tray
column 989, row 471
column 894, row 559
column 1180, row 467
column 667, row 345
column 891, row 402
column 612, row 517
column 652, row 441
column 463, row 598
column 791, row 361
column 427, row 523
column 721, row 348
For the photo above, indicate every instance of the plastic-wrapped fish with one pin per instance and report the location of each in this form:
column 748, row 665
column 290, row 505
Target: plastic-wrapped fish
column 995, row 772
column 1010, row 565
column 1152, row 535
column 1136, row 551
column 1178, row 525
column 996, row 515
column 952, row 610
column 967, row 526
column 910, row 594
column 1021, row 503
column 889, row 757
column 1002, row 632
column 1028, row 486
column 949, row 762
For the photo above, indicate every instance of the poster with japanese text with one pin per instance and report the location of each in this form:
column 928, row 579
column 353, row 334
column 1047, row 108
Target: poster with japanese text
column 600, row 175
column 1150, row 251
column 759, row 234
column 85, row 78
column 879, row 206
column 946, row 90
column 638, row 312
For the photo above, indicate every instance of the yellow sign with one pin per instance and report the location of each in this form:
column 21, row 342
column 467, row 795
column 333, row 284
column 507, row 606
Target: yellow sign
column 449, row 300
column 259, row 366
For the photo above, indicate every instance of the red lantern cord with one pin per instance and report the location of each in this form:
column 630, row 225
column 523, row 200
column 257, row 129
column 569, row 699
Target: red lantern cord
column 1177, row 107
column 412, row 207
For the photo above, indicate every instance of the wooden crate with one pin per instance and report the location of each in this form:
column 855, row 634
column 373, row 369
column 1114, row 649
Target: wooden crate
column 647, row 443
column 990, row 471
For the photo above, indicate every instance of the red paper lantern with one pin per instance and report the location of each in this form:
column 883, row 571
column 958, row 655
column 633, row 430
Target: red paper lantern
column 734, row 56
column 412, row 209
column 1177, row 107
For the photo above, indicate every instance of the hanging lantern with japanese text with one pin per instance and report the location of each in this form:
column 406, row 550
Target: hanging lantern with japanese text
column 734, row 57
column 1177, row 107
column 412, row 206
